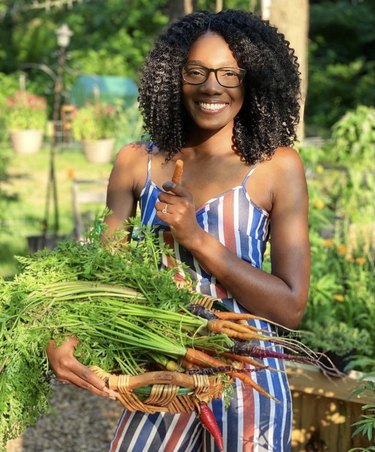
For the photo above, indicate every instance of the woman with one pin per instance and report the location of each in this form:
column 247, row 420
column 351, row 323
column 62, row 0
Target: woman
column 220, row 92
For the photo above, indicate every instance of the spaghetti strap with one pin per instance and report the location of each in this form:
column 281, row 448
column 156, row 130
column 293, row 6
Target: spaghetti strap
column 150, row 146
column 248, row 175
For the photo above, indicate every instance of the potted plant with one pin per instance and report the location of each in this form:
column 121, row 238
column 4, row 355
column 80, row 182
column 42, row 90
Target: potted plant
column 26, row 118
column 95, row 126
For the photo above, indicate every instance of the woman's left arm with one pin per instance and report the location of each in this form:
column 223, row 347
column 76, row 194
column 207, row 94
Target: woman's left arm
column 282, row 295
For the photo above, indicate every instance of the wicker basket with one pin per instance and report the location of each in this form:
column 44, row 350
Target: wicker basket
column 162, row 391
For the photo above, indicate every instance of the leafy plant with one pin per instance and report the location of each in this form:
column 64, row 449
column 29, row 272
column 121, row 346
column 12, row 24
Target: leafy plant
column 341, row 60
column 96, row 122
column 341, row 183
column 353, row 136
column 366, row 425
column 336, row 337
column 340, row 311
column 25, row 110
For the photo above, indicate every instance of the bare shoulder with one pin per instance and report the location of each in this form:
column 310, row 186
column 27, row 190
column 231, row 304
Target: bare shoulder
column 287, row 160
column 133, row 153
column 130, row 167
column 127, row 178
column 288, row 176
column 286, row 169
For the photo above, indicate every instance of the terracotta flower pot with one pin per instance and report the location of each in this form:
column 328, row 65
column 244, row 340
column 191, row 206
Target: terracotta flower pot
column 26, row 141
column 98, row 151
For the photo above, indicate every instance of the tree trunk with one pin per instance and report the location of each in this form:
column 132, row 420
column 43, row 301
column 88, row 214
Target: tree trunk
column 291, row 17
column 175, row 9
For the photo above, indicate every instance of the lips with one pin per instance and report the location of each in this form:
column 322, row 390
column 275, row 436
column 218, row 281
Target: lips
column 212, row 106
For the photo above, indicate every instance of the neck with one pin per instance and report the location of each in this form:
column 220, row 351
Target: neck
column 211, row 141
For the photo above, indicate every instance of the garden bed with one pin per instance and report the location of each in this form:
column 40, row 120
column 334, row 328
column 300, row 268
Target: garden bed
column 325, row 409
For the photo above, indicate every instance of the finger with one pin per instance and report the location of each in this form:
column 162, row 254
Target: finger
column 163, row 208
column 82, row 384
column 166, row 198
column 83, row 377
column 176, row 189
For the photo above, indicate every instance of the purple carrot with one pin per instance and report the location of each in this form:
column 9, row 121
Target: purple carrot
column 245, row 348
column 216, row 370
column 201, row 311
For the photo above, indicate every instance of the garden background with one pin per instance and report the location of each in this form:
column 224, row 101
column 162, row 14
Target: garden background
column 338, row 148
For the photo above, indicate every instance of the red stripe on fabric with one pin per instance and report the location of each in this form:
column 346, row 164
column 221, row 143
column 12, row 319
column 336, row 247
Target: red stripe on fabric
column 119, row 431
column 248, row 419
column 220, row 291
column 177, row 432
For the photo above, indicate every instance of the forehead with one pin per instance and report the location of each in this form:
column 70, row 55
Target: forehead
column 211, row 50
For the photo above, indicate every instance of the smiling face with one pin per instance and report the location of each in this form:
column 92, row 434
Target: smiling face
column 210, row 105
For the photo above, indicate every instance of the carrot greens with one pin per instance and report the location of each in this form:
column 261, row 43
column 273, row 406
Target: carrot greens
column 96, row 290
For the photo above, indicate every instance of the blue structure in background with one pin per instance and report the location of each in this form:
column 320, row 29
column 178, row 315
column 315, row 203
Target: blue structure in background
column 106, row 88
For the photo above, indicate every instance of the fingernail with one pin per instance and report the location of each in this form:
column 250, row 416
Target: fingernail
column 169, row 184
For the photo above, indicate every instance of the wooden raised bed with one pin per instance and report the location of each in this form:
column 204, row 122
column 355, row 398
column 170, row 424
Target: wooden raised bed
column 324, row 410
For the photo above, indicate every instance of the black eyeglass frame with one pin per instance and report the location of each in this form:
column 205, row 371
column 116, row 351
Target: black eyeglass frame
column 240, row 72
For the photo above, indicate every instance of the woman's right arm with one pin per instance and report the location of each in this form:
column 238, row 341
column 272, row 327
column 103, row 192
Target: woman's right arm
column 127, row 176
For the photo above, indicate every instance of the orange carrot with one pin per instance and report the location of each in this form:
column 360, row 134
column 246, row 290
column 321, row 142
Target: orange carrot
column 226, row 315
column 244, row 359
column 235, row 330
column 248, row 380
column 203, row 360
column 187, row 364
column 177, row 174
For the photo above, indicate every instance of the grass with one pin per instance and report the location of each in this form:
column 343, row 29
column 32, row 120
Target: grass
column 23, row 197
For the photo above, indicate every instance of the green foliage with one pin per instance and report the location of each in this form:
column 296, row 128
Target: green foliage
column 25, row 111
column 111, row 294
column 341, row 184
column 341, row 61
column 122, row 31
column 130, row 127
column 9, row 85
column 341, row 289
column 353, row 137
column 366, row 425
column 342, row 172
column 95, row 122
column 337, row 337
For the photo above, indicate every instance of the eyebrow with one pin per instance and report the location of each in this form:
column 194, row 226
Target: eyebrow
column 199, row 63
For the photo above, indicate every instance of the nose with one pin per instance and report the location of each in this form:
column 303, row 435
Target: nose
column 211, row 85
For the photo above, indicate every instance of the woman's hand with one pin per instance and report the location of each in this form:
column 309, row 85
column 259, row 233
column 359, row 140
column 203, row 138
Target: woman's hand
column 176, row 208
column 69, row 370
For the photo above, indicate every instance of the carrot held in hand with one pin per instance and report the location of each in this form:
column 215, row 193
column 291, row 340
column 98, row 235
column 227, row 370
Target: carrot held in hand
column 177, row 174
column 208, row 420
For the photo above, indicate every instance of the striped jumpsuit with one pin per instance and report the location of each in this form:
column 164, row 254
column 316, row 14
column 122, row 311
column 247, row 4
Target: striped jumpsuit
column 253, row 422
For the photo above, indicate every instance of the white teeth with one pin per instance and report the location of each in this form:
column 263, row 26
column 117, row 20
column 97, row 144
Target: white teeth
column 211, row 107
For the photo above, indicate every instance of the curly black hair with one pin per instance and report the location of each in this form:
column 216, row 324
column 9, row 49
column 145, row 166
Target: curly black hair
column 270, row 112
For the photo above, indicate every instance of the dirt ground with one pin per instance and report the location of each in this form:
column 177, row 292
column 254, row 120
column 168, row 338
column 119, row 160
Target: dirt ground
column 79, row 422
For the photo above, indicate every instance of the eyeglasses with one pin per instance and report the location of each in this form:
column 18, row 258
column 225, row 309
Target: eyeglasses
column 229, row 77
